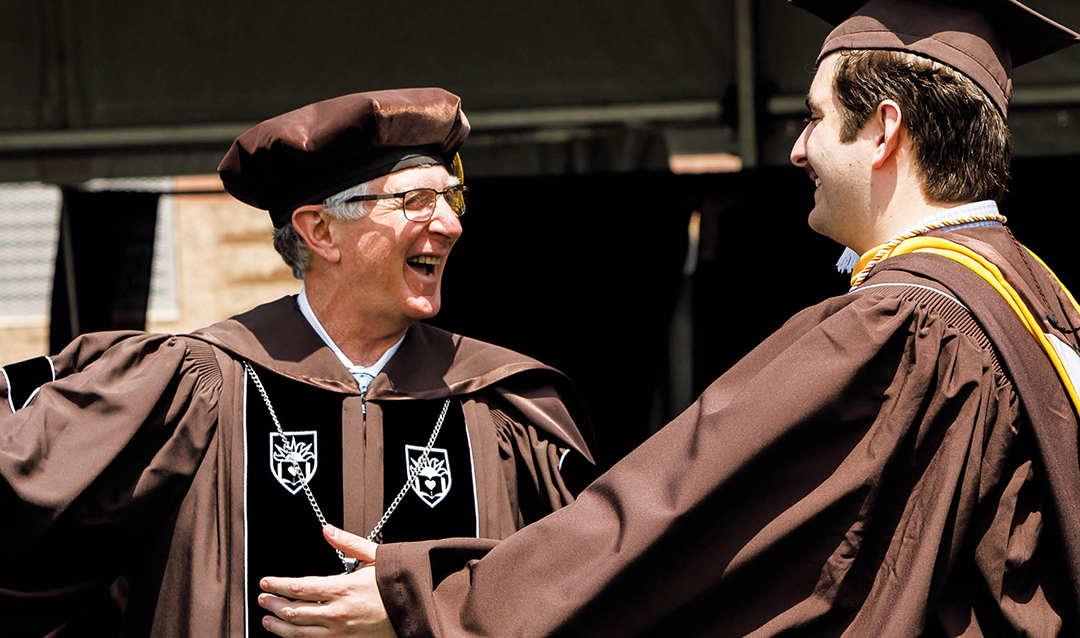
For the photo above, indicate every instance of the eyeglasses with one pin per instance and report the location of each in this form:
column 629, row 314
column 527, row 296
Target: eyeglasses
column 418, row 204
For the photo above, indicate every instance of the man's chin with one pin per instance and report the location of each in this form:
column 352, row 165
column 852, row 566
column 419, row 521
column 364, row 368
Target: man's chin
column 818, row 222
column 420, row 308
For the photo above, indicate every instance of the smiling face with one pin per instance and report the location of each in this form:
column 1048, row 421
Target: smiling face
column 841, row 170
column 393, row 267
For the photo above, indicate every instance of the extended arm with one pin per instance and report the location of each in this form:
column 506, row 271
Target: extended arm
column 826, row 481
column 93, row 463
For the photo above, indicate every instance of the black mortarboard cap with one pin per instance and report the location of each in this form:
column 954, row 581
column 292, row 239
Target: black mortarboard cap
column 983, row 39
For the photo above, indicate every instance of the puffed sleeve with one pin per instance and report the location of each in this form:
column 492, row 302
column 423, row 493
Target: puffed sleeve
column 831, row 482
column 542, row 435
column 532, row 463
column 93, row 460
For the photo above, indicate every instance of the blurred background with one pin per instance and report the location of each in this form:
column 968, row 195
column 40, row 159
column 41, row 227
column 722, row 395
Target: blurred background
column 634, row 219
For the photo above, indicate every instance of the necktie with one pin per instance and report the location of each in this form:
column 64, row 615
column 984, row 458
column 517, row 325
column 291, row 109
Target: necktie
column 363, row 379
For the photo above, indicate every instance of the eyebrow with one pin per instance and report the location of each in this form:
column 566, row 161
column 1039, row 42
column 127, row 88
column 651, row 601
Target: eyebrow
column 451, row 180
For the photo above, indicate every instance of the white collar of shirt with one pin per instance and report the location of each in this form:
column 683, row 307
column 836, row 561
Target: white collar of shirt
column 985, row 207
column 362, row 374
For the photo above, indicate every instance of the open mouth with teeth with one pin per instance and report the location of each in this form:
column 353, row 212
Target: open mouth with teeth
column 424, row 263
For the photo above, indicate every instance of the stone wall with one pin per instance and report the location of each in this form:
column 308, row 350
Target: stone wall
column 225, row 264
column 225, row 261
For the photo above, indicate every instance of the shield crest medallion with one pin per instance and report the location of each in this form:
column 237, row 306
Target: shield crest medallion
column 433, row 479
column 294, row 458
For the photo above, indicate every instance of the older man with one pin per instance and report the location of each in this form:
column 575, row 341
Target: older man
column 898, row 461
column 195, row 465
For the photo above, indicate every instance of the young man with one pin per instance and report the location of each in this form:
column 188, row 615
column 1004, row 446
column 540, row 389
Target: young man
column 196, row 465
column 899, row 461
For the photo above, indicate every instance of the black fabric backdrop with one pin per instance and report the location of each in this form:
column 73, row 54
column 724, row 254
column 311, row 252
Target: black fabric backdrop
column 585, row 273
column 112, row 245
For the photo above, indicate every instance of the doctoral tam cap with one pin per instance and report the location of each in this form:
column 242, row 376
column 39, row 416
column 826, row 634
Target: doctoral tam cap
column 983, row 39
column 306, row 155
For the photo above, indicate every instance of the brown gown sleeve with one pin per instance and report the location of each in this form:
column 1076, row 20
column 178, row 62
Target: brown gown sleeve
column 534, row 463
column 94, row 461
column 544, row 438
column 830, row 483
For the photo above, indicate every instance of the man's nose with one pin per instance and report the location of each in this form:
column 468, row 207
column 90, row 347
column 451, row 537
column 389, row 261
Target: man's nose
column 444, row 221
column 798, row 150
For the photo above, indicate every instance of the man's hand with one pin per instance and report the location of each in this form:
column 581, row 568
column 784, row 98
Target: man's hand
column 344, row 605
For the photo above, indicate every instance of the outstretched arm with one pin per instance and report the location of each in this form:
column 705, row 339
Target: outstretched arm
column 342, row 605
column 100, row 444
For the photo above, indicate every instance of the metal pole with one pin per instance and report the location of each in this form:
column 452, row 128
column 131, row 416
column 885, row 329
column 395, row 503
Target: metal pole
column 745, row 81
column 67, row 248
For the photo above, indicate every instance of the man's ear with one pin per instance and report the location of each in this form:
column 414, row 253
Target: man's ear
column 312, row 222
column 889, row 120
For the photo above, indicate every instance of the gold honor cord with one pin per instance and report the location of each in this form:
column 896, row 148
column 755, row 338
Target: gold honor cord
column 993, row 275
column 886, row 250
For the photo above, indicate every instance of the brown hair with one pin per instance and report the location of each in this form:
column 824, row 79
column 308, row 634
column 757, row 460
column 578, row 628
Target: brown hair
column 961, row 143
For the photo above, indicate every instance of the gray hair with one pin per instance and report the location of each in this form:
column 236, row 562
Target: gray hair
column 292, row 247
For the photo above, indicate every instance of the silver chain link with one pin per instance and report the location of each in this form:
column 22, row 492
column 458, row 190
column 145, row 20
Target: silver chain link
column 349, row 563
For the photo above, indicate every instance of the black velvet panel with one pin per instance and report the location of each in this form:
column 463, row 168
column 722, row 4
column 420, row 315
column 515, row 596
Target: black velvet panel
column 284, row 537
column 24, row 378
column 452, row 512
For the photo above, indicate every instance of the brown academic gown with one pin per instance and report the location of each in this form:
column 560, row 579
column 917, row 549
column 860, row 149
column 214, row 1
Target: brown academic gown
column 133, row 460
column 871, row 469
